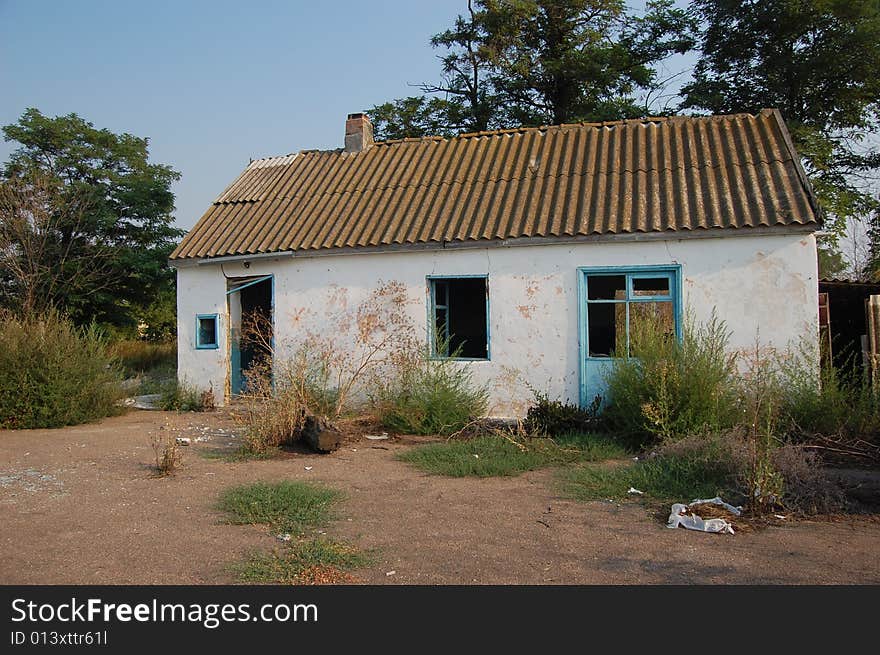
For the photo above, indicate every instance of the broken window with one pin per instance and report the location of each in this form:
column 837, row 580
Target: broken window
column 206, row 331
column 459, row 317
column 620, row 306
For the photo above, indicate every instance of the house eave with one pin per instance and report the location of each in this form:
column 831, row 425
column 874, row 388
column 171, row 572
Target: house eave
column 711, row 233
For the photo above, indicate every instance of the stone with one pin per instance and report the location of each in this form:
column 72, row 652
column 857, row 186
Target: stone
column 320, row 435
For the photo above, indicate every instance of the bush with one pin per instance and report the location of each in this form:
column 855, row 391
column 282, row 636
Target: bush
column 275, row 410
column 667, row 389
column 54, row 374
column 807, row 489
column 428, row 396
column 179, row 396
column 824, row 404
column 554, row 417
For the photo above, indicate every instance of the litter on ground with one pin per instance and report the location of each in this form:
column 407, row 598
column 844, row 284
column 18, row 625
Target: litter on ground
column 685, row 516
column 633, row 490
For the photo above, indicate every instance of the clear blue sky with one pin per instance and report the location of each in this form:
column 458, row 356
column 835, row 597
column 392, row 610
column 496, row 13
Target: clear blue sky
column 214, row 83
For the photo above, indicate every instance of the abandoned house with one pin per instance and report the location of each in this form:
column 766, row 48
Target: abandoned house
column 533, row 252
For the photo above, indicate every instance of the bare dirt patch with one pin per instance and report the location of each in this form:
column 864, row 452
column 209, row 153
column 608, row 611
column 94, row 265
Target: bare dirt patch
column 79, row 505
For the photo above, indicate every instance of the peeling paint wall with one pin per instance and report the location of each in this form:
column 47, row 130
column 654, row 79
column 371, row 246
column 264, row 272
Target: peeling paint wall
column 761, row 286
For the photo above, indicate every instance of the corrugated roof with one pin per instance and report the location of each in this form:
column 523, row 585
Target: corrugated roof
column 651, row 175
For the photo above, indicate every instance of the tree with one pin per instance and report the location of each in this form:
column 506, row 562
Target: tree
column 817, row 62
column 461, row 102
column 36, row 265
column 559, row 61
column 103, row 211
column 536, row 62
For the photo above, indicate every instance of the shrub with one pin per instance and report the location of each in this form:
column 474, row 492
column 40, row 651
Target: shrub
column 428, row 396
column 806, row 489
column 274, row 414
column 554, row 417
column 183, row 397
column 823, row 403
column 666, row 389
column 54, row 374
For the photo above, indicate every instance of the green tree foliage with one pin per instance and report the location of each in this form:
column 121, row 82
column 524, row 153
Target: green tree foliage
column 536, row 62
column 558, row 61
column 123, row 217
column 814, row 60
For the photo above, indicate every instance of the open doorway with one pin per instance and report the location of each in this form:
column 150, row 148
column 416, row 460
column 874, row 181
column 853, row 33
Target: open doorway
column 251, row 327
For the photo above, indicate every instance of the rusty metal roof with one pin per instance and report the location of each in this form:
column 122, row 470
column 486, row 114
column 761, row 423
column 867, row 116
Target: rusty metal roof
column 679, row 174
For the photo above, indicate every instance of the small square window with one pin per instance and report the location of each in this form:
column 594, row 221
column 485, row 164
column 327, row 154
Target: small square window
column 206, row 331
column 459, row 317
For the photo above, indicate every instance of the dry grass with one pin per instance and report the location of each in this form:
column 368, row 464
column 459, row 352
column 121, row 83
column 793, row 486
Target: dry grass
column 167, row 453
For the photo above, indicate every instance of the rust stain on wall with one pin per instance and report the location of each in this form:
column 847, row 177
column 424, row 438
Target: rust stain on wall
column 296, row 315
column 526, row 311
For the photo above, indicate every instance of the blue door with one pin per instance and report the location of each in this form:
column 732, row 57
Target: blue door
column 616, row 303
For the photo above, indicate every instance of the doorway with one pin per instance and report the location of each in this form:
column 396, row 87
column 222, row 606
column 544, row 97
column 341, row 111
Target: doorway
column 250, row 302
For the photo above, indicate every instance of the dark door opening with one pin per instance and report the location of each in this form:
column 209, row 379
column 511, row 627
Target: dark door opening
column 252, row 329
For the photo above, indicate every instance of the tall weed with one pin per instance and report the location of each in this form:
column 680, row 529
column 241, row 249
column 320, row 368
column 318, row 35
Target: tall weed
column 425, row 395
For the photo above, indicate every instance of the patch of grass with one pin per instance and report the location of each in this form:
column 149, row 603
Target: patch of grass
column 286, row 506
column 288, row 565
column 493, row 455
column 662, row 478
column 241, row 454
column 592, row 447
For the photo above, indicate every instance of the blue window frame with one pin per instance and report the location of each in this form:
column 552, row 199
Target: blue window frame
column 458, row 317
column 614, row 304
column 207, row 331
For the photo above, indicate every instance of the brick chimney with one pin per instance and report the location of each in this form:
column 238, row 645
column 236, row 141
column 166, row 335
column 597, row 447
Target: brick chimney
column 358, row 133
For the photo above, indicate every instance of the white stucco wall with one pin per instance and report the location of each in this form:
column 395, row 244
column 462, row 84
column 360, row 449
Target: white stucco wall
column 762, row 286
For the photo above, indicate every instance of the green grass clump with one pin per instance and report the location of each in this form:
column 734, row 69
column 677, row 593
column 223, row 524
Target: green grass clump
column 53, row 373
column 491, row 455
column 287, row 565
column 286, row 506
column 181, row 397
column 663, row 478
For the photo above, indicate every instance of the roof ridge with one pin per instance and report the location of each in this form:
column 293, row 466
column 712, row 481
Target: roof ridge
column 521, row 130
column 487, row 180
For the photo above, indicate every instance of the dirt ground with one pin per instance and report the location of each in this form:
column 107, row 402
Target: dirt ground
column 79, row 506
